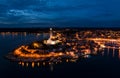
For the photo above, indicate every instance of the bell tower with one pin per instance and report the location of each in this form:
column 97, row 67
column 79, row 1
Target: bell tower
column 51, row 34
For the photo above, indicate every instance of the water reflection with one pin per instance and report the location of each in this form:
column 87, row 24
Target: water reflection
column 57, row 47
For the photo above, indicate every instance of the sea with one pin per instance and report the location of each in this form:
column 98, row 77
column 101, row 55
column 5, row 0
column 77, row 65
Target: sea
column 104, row 65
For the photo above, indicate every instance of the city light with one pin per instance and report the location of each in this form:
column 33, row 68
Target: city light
column 61, row 47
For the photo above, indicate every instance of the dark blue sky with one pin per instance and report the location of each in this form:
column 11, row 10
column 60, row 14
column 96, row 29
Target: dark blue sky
column 59, row 13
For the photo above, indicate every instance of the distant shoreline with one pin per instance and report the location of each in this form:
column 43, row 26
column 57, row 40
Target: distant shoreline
column 47, row 29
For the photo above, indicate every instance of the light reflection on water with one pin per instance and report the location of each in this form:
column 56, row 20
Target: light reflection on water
column 10, row 41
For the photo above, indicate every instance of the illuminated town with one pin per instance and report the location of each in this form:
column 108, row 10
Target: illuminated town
column 65, row 46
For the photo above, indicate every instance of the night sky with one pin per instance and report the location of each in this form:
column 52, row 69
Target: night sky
column 59, row 13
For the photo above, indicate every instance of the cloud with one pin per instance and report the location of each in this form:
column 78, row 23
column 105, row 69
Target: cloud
column 60, row 12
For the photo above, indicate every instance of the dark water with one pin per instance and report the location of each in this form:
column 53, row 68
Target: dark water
column 102, row 66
